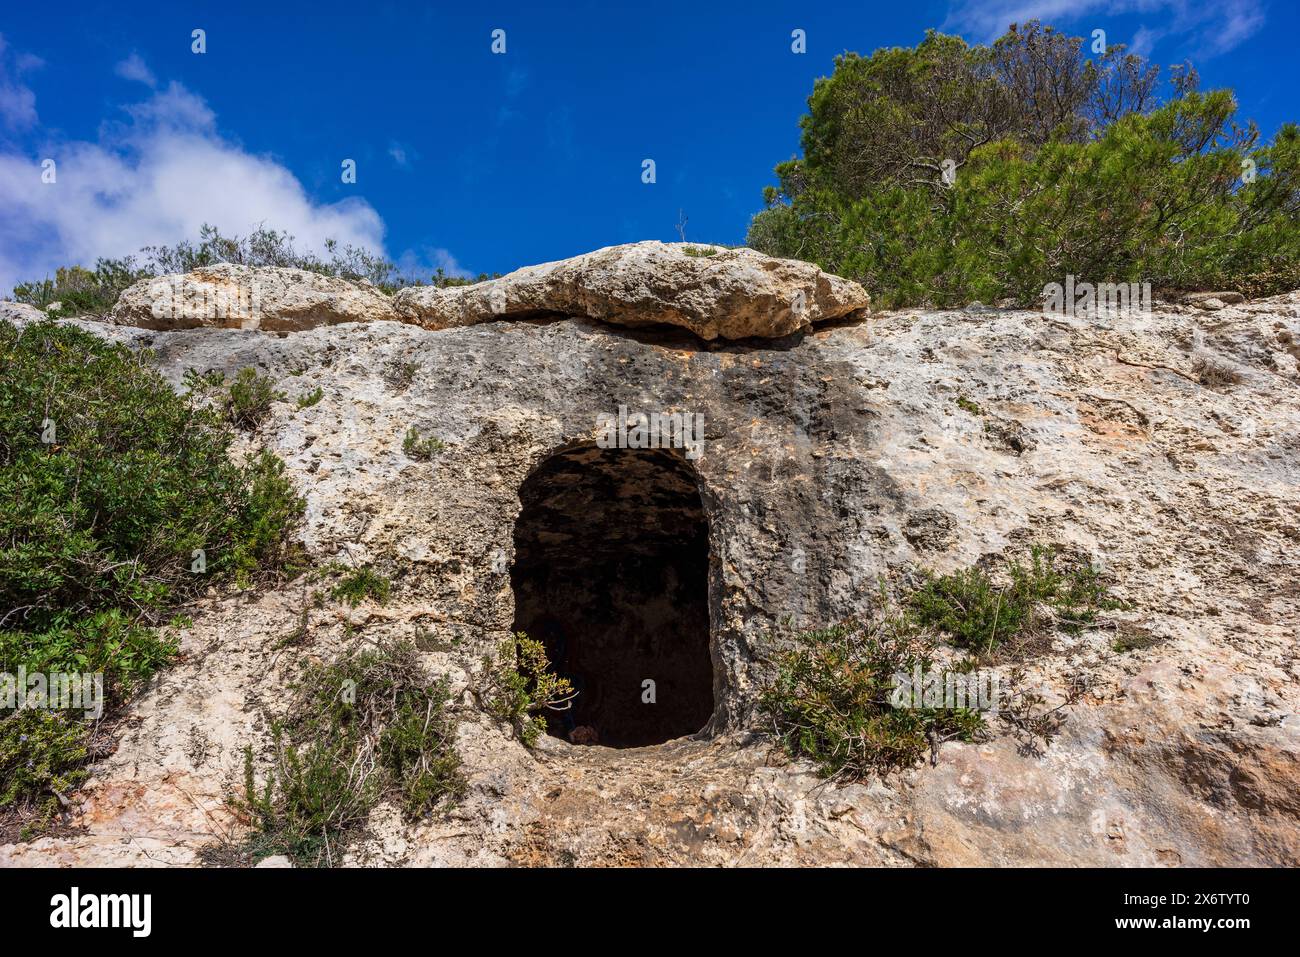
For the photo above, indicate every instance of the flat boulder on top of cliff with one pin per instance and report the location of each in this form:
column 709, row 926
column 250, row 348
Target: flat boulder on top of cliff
column 230, row 296
column 713, row 291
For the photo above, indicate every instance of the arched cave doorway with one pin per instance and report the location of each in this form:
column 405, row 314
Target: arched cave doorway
column 611, row 574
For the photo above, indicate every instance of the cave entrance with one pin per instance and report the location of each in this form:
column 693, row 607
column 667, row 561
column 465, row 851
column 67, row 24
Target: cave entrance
column 611, row 574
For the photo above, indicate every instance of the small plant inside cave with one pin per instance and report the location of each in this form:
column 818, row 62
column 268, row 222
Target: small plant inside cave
column 519, row 687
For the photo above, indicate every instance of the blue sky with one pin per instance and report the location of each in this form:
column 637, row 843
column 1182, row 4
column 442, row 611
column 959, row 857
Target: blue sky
column 468, row 159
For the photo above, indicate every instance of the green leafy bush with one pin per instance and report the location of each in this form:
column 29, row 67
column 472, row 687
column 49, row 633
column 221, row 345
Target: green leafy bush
column 81, row 291
column 421, row 449
column 42, row 753
column 519, row 687
column 368, row 726
column 360, row 584
column 118, row 500
column 109, row 512
column 308, row 399
column 247, row 403
column 831, row 700
column 980, row 616
column 948, row 173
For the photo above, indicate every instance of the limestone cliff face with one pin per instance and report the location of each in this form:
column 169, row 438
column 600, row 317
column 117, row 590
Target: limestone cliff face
column 830, row 457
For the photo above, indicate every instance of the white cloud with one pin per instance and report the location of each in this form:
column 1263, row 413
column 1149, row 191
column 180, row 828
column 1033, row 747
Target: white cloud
column 17, row 101
column 1209, row 29
column 154, row 178
column 134, row 68
column 402, row 154
column 1144, row 41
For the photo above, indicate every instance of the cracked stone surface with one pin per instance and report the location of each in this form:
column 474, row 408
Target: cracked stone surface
column 832, row 457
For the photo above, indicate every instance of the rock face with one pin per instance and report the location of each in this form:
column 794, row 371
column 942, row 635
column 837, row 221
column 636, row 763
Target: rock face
column 716, row 293
column 827, row 461
column 243, row 297
column 19, row 313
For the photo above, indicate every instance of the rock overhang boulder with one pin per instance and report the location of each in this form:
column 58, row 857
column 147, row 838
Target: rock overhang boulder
column 713, row 291
column 232, row 296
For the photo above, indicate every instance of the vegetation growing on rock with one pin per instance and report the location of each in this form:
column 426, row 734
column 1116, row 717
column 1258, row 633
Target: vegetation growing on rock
column 421, row 449
column 980, row 616
column 520, row 688
column 362, row 583
column 81, row 291
column 118, row 501
column 832, row 700
column 369, row 726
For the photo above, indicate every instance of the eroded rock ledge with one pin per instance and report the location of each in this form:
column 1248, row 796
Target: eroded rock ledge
column 716, row 293
column 712, row 291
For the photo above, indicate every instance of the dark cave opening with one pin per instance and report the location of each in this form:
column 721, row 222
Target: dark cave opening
column 611, row 574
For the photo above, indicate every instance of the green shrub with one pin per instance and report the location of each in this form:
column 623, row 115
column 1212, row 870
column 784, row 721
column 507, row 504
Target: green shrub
column 417, row 751
column 366, row 727
column 270, row 508
column 831, row 700
column 42, row 755
column 79, row 291
column 443, row 280
column 421, row 449
column 361, row 584
column 520, row 688
column 118, row 500
column 110, row 513
column 308, row 399
column 980, row 616
column 110, row 642
column 248, row 401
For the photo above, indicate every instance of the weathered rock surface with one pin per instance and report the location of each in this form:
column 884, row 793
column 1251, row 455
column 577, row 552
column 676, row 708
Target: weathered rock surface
column 229, row 296
column 19, row 313
column 831, row 459
column 716, row 293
